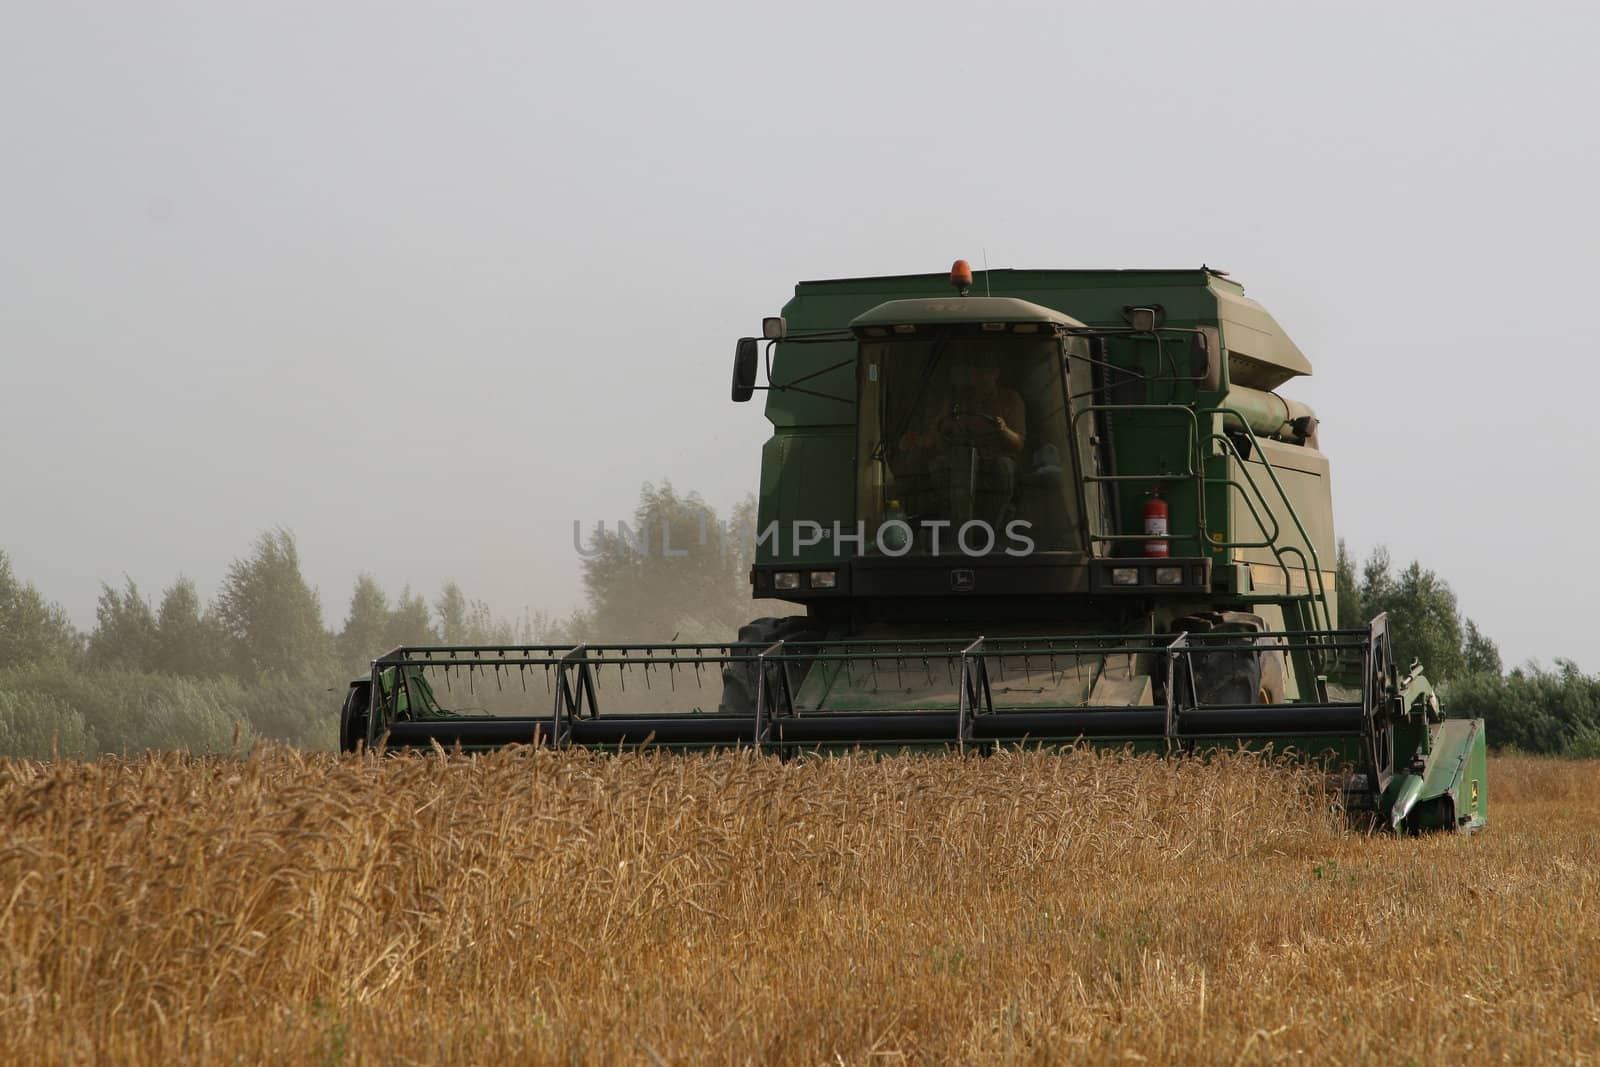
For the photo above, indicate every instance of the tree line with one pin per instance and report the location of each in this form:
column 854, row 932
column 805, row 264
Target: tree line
column 266, row 621
column 259, row 661
column 1530, row 708
column 255, row 662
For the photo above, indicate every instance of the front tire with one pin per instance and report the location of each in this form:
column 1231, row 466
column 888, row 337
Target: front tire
column 739, row 679
column 1248, row 671
column 353, row 716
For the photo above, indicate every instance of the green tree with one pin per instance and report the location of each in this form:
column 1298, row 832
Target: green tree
column 188, row 642
column 1533, row 709
column 1377, row 582
column 38, row 726
column 32, row 630
column 455, row 615
column 1425, row 622
column 676, row 571
column 373, row 627
column 130, row 711
column 125, row 634
column 1347, row 587
column 410, row 623
column 463, row 621
column 273, row 619
column 542, row 628
column 366, row 626
column 1479, row 654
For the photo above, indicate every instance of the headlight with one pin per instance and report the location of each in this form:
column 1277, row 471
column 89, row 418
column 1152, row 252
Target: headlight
column 1124, row 575
column 1169, row 575
column 824, row 579
column 786, row 580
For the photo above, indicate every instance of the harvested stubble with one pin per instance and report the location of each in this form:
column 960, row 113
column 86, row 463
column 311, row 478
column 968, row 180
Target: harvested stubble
column 1016, row 908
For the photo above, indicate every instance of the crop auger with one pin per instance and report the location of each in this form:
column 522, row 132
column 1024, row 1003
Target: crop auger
column 1078, row 511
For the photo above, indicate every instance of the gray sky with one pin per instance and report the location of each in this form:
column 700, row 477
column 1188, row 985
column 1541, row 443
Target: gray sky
column 426, row 282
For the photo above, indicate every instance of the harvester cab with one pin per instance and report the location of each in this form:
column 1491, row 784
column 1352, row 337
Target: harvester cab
column 1075, row 508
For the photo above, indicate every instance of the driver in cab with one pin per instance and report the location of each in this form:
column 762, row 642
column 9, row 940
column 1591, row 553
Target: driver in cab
column 981, row 414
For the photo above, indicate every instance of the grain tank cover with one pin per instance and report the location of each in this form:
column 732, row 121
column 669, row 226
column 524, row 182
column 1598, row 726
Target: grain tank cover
column 1260, row 354
column 959, row 311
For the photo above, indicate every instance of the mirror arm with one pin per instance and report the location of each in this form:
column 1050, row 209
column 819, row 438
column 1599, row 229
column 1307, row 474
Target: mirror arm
column 813, row 374
column 813, row 392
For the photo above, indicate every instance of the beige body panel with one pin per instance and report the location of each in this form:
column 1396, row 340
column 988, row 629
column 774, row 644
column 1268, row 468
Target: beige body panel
column 1303, row 474
column 1260, row 354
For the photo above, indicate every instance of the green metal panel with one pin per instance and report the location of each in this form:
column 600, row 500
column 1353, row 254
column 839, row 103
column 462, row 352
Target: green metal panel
column 1455, row 787
column 818, row 488
column 1450, row 789
column 789, row 496
column 808, row 467
column 1093, row 297
column 1256, row 513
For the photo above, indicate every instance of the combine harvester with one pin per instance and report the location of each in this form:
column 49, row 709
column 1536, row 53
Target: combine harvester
column 1071, row 509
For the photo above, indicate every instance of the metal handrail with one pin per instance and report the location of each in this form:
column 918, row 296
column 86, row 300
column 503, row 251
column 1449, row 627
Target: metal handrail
column 1193, row 463
column 1319, row 597
column 1194, row 470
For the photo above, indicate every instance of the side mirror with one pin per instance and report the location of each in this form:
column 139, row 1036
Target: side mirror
column 746, row 357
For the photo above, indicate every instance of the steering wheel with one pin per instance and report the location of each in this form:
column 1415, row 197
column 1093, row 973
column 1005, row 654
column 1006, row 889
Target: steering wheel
column 951, row 432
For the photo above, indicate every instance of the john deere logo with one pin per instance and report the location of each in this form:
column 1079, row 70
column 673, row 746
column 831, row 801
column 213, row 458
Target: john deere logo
column 1474, row 794
column 962, row 581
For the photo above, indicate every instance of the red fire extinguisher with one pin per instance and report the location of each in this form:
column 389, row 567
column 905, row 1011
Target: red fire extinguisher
column 1155, row 525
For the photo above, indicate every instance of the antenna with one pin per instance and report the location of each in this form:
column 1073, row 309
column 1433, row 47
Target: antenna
column 986, row 291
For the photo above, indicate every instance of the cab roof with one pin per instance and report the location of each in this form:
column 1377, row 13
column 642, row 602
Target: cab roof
column 957, row 310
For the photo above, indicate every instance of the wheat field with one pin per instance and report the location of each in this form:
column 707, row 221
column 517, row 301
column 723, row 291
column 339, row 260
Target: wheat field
column 1019, row 908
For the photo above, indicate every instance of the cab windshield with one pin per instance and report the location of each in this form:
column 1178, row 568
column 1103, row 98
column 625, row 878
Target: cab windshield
column 963, row 447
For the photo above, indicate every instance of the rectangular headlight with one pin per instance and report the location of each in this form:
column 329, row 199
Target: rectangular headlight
column 1169, row 575
column 786, row 580
column 1124, row 575
column 824, row 579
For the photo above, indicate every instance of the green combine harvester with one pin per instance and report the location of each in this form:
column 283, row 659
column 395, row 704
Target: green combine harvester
column 1072, row 509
